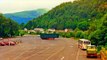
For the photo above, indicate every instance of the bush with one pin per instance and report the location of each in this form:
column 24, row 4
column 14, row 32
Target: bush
column 72, row 34
column 99, row 48
column 22, row 32
column 38, row 33
column 32, row 33
column 83, row 35
column 78, row 34
column 62, row 34
column 105, row 46
column 67, row 34
column 96, row 37
column 77, row 29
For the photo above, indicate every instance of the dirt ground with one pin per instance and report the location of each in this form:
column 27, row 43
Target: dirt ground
column 34, row 48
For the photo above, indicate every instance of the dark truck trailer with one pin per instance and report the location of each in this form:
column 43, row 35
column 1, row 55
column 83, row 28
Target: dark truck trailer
column 49, row 36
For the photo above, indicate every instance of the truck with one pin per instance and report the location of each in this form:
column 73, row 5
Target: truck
column 49, row 36
column 91, row 51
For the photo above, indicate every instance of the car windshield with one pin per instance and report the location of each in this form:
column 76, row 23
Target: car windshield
column 86, row 42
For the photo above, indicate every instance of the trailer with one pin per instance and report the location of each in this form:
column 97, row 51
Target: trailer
column 49, row 36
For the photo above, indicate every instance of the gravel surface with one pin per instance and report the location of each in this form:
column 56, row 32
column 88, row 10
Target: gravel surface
column 34, row 48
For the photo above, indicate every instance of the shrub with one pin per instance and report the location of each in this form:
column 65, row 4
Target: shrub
column 99, row 48
column 22, row 32
column 62, row 34
column 78, row 34
column 72, row 34
column 67, row 34
column 38, row 33
column 83, row 35
column 96, row 37
column 106, row 46
column 32, row 33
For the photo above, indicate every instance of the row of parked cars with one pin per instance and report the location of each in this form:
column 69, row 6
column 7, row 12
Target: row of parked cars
column 4, row 43
column 8, row 42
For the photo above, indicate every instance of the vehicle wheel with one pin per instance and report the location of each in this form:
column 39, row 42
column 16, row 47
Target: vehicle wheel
column 95, row 56
column 87, row 56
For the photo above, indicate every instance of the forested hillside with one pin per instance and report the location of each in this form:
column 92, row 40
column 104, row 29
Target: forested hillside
column 88, row 19
column 25, row 16
column 8, row 27
column 71, row 15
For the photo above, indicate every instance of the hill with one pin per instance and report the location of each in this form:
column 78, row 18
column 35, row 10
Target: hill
column 70, row 14
column 8, row 27
column 25, row 16
column 87, row 19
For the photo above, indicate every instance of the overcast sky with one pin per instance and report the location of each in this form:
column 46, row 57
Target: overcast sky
column 9, row 6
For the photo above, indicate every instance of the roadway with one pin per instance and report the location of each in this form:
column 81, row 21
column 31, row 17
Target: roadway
column 34, row 48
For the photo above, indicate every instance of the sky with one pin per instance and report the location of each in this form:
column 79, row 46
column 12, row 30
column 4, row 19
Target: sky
column 10, row 6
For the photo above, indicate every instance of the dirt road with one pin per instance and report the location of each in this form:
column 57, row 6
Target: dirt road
column 33, row 48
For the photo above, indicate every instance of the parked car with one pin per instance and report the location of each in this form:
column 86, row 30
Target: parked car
column 6, row 42
column 12, row 43
column 91, row 51
column 9, row 43
column 2, row 44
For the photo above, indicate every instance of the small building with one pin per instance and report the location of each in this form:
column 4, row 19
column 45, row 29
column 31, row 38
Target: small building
column 51, row 30
column 58, row 31
column 39, row 30
column 68, row 30
column 31, row 30
column 25, row 29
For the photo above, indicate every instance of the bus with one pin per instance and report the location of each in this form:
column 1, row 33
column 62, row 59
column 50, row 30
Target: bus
column 82, row 43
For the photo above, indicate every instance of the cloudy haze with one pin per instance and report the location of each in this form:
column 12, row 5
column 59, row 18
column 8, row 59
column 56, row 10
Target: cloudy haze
column 8, row 6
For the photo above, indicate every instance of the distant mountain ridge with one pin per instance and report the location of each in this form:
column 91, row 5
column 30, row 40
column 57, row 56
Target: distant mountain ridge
column 25, row 16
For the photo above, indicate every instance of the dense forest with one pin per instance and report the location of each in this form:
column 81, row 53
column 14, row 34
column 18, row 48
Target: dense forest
column 8, row 27
column 87, row 19
column 71, row 15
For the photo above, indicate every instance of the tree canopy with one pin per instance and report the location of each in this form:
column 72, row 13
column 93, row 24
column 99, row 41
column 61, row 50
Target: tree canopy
column 71, row 14
column 8, row 27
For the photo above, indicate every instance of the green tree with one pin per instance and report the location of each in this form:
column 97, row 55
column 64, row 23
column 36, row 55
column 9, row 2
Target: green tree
column 8, row 27
column 83, row 25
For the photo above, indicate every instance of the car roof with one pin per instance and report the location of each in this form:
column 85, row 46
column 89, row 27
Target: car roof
column 84, row 39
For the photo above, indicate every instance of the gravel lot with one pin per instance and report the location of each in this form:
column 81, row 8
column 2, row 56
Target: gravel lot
column 34, row 48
